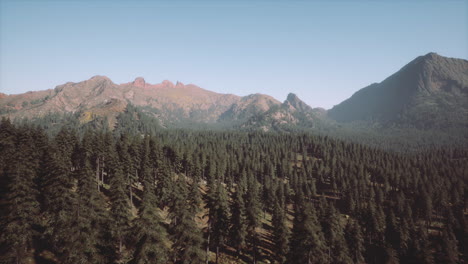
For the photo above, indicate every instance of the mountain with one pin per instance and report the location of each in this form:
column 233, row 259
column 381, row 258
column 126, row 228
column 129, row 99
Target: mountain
column 94, row 97
column 430, row 92
column 174, row 105
column 292, row 114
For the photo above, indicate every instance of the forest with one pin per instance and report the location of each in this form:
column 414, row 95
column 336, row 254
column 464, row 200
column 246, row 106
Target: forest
column 191, row 196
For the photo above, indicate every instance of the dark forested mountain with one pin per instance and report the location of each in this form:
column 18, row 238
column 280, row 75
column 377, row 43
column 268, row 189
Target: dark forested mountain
column 429, row 92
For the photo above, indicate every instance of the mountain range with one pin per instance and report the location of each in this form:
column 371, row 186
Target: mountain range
column 430, row 92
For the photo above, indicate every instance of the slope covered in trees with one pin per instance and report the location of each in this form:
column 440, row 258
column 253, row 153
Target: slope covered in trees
column 180, row 196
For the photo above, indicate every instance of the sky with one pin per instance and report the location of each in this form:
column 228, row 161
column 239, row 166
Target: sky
column 323, row 51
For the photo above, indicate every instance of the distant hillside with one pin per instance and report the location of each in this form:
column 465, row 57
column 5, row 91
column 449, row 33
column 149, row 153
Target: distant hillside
column 170, row 103
column 423, row 104
column 292, row 114
column 429, row 92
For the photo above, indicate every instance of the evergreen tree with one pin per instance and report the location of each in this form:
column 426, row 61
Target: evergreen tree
column 355, row 240
column 333, row 231
column 126, row 165
column 253, row 210
column 307, row 241
column 238, row 227
column 20, row 208
column 186, row 236
column 280, row 233
column 149, row 234
column 419, row 250
column 60, row 203
column 120, row 208
column 449, row 249
column 91, row 217
column 218, row 216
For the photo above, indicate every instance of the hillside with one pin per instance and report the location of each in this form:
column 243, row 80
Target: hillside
column 430, row 92
column 189, row 196
column 292, row 114
column 169, row 102
column 423, row 104
column 174, row 105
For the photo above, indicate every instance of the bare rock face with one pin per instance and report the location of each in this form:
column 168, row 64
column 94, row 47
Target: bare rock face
column 139, row 82
column 173, row 103
column 296, row 104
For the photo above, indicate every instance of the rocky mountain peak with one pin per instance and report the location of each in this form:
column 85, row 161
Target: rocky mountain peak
column 432, row 55
column 179, row 84
column 139, row 82
column 292, row 97
column 297, row 103
column 100, row 78
column 167, row 84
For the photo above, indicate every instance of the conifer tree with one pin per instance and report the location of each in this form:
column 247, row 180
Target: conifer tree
column 307, row 241
column 355, row 240
column 280, row 233
column 253, row 210
column 218, row 216
column 186, row 237
column 238, row 226
column 449, row 248
column 419, row 250
column 60, row 203
column 91, row 216
column 125, row 160
column 195, row 197
column 120, row 208
column 334, row 234
column 164, row 184
column 20, row 207
column 149, row 234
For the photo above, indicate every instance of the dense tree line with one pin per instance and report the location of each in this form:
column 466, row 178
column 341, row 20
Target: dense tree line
column 180, row 196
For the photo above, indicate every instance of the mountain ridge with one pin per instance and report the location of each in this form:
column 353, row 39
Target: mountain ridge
column 430, row 92
column 429, row 87
column 170, row 103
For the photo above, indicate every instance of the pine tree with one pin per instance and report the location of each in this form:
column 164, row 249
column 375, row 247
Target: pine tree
column 60, row 203
column 91, row 216
column 120, row 208
column 218, row 216
column 280, row 233
column 449, row 247
column 238, row 227
column 126, row 165
column 419, row 250
column 7, row 149
column 355, row 240
column 195, row 197
column 333, row 231
column 186, row 236
column 307, row 241
column 20, row 207
column 164, row 184
column 149, row 234
column 253, row 210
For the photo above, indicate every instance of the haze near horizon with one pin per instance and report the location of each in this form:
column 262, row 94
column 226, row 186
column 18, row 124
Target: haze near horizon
column 321, row 51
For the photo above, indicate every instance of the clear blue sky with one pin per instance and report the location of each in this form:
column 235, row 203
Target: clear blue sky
column 323, row 51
